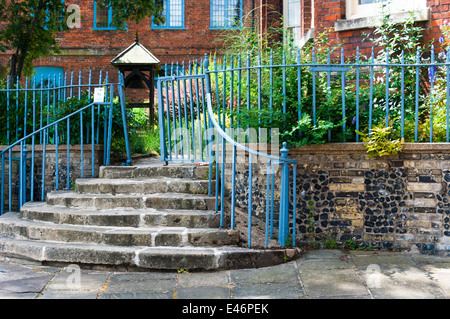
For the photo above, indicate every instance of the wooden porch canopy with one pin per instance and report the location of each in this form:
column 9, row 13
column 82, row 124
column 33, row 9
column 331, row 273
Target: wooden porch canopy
column 136, row 64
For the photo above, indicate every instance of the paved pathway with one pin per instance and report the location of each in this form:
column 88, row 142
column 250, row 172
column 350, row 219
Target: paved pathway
column 318, row 274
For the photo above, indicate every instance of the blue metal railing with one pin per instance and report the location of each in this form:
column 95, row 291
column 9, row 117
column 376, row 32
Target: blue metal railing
column 204, row 109
column 192, row 131
column 81, row 126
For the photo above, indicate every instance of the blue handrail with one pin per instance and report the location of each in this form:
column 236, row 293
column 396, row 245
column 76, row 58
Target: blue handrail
column 44, row 138
column 283, row 233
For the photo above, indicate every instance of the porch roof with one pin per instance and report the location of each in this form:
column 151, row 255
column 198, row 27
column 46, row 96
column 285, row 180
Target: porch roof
column 135, row 55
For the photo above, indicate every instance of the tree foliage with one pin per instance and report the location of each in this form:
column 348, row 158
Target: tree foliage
column 28, row 28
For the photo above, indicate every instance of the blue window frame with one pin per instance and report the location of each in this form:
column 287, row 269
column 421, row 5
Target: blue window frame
column 226, row 14
column 173, row 13
column 102, row 18
column 45, row 76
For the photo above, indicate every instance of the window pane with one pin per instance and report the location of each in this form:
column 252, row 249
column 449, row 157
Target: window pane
column 234, row 13
column 369, row 1
column 293, row 13
column 102, row 17
column 225, row 13
column 163, row 13
column 218, row 13
column 176, row 13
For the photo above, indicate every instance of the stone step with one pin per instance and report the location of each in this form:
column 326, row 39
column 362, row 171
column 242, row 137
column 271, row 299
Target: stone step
column 189, row 171
column 14, row 226
column 142, row 186
column 137, row 201
column 146, row 217
column 145, row 258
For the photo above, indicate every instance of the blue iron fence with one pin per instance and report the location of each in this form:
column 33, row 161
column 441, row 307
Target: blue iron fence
column 59, row 114
column 297, row 98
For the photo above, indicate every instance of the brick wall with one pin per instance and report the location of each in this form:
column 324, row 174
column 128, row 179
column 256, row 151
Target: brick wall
column 327, row 12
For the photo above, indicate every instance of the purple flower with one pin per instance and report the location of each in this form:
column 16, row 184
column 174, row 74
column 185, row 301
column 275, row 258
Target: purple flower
column 432, row 73
column 354, row 120
column 441, row 40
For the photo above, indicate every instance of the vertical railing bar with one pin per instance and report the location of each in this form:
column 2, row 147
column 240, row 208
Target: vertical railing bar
column 20, row 197
column 26, row 109
column 33, row 137
column 357, row 93
column 56, row 141
column 267, row 201
column 105, row 120
column 2, row 199
column 199, row 111
column 299, row 87
column 250, row 191
column 162, row 133
column 272, row 202
column 248, row 88
column 79, row 84
column 294, row 202
column 204, row 107
column 10, row 179
column 259, row 92
column 416, row 125
column 402, row 110
column 191, row 105
column 222, row 180
column 8, row 137
column 314, row 86
column 284, row 85
column 387, row 87
column 99, row 110
column 186, row 122
column 41, row 100
column 432, row 77
column 448, row 96
column 329, row 88
column 43, row 165
column 71, row 84
column 17, row 108
column 93, row 140
column 372, row 62
column 180, row 121
column 68, row 153
column 169, row 133
column 343, row 84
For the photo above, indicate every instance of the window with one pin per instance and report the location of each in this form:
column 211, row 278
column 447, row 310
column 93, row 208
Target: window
column 292, row 10
column 48, row 76
column 102, row 18
column 173, row 14
column 367, row 8
column 226, row 14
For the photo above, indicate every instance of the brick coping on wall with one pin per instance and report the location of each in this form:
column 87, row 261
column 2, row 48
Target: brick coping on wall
column 345, row 148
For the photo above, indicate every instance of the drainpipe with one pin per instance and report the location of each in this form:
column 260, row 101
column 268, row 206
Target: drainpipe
column 253, row 15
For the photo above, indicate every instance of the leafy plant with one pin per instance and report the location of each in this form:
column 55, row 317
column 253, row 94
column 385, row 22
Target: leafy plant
column 330, row 243
column 380, row 143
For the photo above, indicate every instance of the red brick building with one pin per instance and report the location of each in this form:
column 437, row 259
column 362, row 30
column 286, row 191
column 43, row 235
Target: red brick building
column 352, row 19
column 192, row 29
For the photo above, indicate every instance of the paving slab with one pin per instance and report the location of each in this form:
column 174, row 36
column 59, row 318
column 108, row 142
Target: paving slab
column 268, row 291
column 440, row 273
column 203, row 292
column 284, row 273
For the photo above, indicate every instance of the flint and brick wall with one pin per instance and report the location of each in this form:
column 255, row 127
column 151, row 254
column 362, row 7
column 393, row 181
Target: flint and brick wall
column 391, row 202
column 50, row 171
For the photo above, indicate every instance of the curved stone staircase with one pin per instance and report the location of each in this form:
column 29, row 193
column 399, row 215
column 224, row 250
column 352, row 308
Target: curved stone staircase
column 145, row 216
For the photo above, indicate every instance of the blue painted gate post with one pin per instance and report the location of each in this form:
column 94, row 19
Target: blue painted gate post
column 283, row 231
